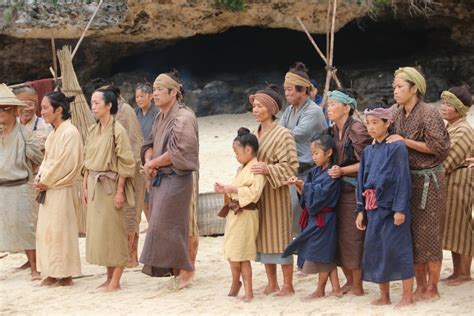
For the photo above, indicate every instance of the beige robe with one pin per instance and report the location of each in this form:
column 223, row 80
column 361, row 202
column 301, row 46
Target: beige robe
column 40, row 132
column 57, row 246
column 106, row 237
column 240, row 237
column 278, row 151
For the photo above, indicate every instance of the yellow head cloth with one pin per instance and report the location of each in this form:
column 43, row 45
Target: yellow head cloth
column 453, row 100
column 167, row 82
column 295, row 80
column 411, row 74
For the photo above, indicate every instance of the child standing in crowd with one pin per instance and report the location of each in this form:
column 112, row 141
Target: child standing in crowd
column 242, row 219
column 316, row 245
column 383, row 195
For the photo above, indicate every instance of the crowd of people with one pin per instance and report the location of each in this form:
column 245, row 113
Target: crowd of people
column 379, row 199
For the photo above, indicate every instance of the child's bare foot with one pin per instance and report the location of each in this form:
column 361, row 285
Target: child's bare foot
column 405, row 302
column 336, row 293
column 48, row 281
column 383, row 300
column 269, row 289
column 315, row 295
column 234, row 289
column 112, row 288
column 35, row 276
column 452, row 276
column 356, row 291
column 286, row 291
column 430, row 295
column 458, row 280
column 105, row 284
column 346, row 288
column 24, row 266
column 64, row 282
column 184, row 280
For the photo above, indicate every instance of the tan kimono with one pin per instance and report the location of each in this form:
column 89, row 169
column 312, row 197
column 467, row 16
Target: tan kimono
column 57, row 245
column 278, row 151
column 106, row 158
column 17, row 209
column 127, row 117
column 458, row 231
column 240, row 237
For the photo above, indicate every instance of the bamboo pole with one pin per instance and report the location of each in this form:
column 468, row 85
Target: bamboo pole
column 329, row 67
column 86, row 29
column 55, row 58
column 312, row 40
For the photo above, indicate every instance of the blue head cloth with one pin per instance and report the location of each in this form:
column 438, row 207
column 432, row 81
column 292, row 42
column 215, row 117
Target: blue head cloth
column 343, row 98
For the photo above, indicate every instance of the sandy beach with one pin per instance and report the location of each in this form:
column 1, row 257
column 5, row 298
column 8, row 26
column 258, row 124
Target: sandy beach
column 208, row 292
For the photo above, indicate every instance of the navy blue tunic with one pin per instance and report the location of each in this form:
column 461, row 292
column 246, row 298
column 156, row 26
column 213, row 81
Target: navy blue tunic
column 317, row 244
column 388, row 252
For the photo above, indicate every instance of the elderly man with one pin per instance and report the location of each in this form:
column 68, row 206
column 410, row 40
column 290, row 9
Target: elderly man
column 170, row 154
column 18, row 151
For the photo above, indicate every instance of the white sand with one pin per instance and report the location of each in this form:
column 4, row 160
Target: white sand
column 207, row 295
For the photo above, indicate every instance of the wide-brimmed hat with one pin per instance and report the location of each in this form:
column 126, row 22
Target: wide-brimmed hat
column 7, row 97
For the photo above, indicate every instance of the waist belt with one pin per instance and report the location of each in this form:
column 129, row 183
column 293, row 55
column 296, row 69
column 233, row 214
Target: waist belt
column 105, row 178
column 13, row 183
column 303, row 221
column 370, row 199
column 159, row 176
column 427, row 173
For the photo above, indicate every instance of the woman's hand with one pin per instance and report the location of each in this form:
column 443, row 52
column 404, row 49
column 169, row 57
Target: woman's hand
column 398, row 218
column 119, row 200
column 471, row 162
column 394, row 138
column 359, row 221
column 260, row 168
column 335, row 172
column 218, row 187
column 40, row 186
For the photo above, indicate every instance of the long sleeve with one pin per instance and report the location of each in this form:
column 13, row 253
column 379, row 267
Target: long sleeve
column 360, row 184
column 436, row 134
column 123, row 151
column 183, row 145
column 402, row 178
column 251, row 193
column 285, row 163
column 360, row 138
column 320, row 192
column 32, row 148
column 462, row 138
column 311, row 121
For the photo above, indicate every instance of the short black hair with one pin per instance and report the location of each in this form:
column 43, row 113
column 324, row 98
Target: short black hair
column 109, row 97
column 325, row 141
column 245, row 138
column 59, row 99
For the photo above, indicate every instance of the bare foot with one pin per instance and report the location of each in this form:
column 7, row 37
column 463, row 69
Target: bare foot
column 405, row 302
column 418, row 293
column 458, row 280
column 112, row 288
column 271, row 289
column 247, row 298
column 452, row 276
column 24, row 266
column 132, row 263
column 35, row 276
column 48, row 281
column 64, row 282
column 430, row 295
column 356, row 291
column 286, row 291
column 234, row 290
column 346, row 288
column 315, row 295
column 337, row 293
column 105, row 284
column 184, row 281
column 381, row 301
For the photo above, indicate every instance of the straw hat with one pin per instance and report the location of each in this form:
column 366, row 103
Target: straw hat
column 7, row 97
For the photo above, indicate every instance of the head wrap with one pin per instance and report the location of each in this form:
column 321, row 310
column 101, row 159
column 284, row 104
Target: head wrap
column 167, row 82
column 453, row 100
column 28, row 96
column 296, row 80
column 413, row 75
column 381, row 113
column 266, row 101
column 343, row 98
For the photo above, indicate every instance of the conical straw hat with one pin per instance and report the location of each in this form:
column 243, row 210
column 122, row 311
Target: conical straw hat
column 7, row 97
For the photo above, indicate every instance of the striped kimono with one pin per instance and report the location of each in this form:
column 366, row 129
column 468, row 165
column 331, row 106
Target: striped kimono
column 278, row 151
column 458, row 234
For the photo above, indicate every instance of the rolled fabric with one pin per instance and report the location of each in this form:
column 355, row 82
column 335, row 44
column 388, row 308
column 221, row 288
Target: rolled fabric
column 266, row 101
column 296, row 80
column 381, row 113
column 453, row 100
column 167, row 82
column 413, row 75
column 343, row 98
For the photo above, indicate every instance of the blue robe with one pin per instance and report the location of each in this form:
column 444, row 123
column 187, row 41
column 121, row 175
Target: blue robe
column 388, row 252
column 317, row 244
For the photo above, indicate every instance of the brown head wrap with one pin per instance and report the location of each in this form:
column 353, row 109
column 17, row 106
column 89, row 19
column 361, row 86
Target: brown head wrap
column 167, row 82
column 266, row 101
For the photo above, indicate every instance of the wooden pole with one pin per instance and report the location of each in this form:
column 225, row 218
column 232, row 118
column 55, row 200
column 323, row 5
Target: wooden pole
column 331, row 50
column 86, row 29
column 55, row 59
column 312, row 40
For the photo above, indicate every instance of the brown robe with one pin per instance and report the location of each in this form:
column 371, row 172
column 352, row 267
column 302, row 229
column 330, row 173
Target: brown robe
column 350, row 240
column 424, row 124
column 166, row 243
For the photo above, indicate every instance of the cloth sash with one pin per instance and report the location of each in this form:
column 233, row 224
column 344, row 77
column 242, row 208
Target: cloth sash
column 370, row 199
column 427, row 173
column 13, row 183
column 350, row 181
column 160, row 175
column 303, row 221
column 105, row 178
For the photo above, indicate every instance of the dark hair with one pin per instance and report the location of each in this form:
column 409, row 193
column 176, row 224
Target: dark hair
column 245, row 138
column 109, row 96
column 301, row 70
column 59, row 99
column 350, row 92
column 100, row 83
column 326, row 142
column 273, row 91
column 144, row 87
column 174, row 74
column 382, row 103
column 463, row 94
